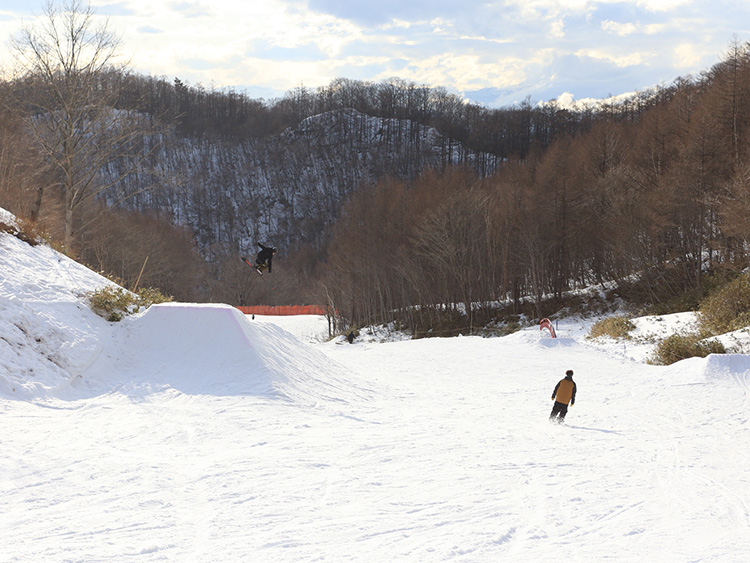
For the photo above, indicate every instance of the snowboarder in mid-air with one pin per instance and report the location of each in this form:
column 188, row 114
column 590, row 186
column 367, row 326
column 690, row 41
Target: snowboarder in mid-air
column 263, row 260
column 564, row 393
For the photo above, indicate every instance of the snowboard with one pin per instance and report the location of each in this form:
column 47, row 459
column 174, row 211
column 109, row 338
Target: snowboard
column 257, row 269
column 253, row 266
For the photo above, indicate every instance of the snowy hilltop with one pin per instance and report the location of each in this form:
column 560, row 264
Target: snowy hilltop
column 190, row 432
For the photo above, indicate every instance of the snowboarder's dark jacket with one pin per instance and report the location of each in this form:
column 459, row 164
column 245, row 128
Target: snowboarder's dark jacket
column 565, row 391
column 265, row 256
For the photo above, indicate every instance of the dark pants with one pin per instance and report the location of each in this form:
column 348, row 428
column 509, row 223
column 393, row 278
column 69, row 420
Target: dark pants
column 559, row 410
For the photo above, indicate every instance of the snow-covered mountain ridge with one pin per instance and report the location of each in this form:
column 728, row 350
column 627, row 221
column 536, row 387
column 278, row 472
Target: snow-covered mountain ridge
column 289, row 187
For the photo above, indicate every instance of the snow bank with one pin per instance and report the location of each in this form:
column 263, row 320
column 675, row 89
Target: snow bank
column 657, row 327
column 548, row 342
column 737, row 341
column 726, row 367
column 7, row 217
column 47, row 333
column 533, row 337
column 42, row 274
column 212, row 349
column 43, row 346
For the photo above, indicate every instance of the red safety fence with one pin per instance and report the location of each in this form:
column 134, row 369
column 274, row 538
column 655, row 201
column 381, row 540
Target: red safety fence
column 284, row 310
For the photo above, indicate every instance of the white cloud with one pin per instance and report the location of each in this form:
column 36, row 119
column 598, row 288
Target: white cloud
column 557, row 29
column 686, row 56
column 485, row 39
column 583, row 6
column 467, row 72
column 663, row 5
column 235, row 37
column 397, row 24
column 621, row 29
column 618, row 59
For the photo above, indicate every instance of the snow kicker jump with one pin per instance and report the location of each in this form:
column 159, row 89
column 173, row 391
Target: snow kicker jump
column 214, row 349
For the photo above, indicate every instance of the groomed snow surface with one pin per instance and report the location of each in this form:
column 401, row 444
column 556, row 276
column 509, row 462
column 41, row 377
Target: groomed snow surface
column 192, row 433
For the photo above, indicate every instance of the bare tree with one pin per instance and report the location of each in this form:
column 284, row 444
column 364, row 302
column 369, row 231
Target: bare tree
column 72, row 78
column 21, row 169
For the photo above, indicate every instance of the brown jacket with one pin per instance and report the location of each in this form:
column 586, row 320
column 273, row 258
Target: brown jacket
column 565, row 391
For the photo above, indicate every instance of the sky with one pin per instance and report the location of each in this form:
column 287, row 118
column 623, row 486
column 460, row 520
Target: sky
column 494, row 52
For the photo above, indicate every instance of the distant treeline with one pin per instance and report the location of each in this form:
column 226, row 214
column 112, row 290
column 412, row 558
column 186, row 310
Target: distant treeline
column 510, row 132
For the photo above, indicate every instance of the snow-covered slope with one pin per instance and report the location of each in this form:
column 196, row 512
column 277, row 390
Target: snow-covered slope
column 53, row 345
column 47, row 333
column 190, row 433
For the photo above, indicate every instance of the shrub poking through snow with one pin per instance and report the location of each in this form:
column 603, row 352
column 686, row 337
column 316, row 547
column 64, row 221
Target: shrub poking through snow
column 148, row 296
column 614, row 327
column 113, row 302
column 728, row 309
column 24, row 232
column 682, row 346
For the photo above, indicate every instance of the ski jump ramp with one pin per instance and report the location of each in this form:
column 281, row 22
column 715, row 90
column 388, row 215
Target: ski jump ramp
column 215, row 349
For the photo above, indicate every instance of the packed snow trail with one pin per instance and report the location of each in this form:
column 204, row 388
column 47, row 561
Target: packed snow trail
column 452, row 459
column 637, row 462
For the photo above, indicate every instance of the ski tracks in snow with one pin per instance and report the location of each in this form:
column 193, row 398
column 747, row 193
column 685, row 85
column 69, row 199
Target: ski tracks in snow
column 637, row 461
column 448, row 457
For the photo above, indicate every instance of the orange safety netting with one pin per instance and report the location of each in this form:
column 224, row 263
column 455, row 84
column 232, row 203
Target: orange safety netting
column 284, row 310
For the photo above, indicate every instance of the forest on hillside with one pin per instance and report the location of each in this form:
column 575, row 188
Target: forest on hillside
column 655, row 201
column 388, row 200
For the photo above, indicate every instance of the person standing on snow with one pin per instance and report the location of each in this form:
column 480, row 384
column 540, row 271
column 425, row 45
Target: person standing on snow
column 263, row 260
column 564, row 393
